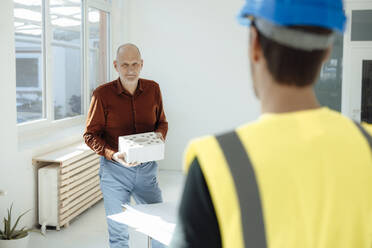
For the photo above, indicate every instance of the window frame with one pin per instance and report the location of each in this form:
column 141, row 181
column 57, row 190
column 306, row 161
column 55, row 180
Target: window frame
column 31, row 128
column 354, row 53
column 101, row 6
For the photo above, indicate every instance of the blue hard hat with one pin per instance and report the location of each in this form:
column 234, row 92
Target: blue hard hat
column 323, row 13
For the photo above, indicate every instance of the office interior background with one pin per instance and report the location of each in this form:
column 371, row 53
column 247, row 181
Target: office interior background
column 55, row 52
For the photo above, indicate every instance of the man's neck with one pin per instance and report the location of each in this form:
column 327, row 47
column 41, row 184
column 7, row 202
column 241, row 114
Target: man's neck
column 280, row 99
column 130, row 86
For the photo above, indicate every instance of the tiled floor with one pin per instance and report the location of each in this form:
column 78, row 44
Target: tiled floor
column 89, row 230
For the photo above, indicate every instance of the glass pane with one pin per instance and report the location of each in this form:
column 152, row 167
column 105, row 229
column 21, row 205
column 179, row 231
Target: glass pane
column 67, row 62
column 98, row 48
column 367, row 91
column 361, row 25
column 328, row 88
column 29, row 59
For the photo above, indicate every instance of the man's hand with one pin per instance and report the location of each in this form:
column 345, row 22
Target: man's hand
column 120, row 158
column 160, row 135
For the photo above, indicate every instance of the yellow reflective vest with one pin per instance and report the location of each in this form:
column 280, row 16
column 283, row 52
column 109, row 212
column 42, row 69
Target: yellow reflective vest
column 300, row 179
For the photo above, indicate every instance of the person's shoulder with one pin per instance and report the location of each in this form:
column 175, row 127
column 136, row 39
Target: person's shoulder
column 147, row 83
column 368, row 127
column 254, row 128
column 196, row 146
column 365, row 125
column 104, row 88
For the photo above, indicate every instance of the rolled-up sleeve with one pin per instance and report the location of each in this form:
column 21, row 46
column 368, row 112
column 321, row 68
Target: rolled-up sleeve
column 161, row 123
column 94, row 130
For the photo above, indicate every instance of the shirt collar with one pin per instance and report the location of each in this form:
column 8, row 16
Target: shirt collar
column 120, row 88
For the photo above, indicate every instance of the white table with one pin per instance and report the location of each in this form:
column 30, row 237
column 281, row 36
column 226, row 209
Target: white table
column 157, row 221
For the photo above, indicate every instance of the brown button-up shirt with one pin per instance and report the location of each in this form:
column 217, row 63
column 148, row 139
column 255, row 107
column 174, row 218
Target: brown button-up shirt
column 115, row 112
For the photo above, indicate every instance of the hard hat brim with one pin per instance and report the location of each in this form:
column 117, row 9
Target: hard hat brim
column 291, row 14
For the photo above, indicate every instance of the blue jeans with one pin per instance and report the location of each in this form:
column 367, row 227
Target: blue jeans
column 118, row 183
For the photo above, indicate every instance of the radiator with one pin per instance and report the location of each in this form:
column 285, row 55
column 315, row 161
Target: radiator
column 68, row 184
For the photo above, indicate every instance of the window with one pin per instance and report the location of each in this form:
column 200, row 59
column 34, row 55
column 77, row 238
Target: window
column 329, row 86
column 30, row 68
column 98, row 52
column 361, row 23
column 366, row 114
column 52, row 76
column 29, row 60
column 66, row 46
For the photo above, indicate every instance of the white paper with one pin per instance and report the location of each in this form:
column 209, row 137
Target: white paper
column 155, row 220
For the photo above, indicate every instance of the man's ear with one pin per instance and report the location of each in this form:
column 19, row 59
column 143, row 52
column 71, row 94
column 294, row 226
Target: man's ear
column 116, row 65
column 254, row 45
column 328, row 54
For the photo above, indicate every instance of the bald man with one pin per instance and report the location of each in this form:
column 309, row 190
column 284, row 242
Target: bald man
column 127, row 105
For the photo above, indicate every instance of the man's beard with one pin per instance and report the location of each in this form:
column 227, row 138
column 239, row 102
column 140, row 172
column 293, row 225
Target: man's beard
column 130, row 80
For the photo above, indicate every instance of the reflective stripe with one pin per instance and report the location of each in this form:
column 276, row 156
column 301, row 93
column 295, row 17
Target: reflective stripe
column 221, row 187
column 365, row 133
column 247, row 189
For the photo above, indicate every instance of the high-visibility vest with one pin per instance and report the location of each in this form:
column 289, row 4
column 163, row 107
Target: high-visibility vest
column 233, row 187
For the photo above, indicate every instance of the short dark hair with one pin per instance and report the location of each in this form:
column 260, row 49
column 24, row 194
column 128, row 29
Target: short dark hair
column 292, row 66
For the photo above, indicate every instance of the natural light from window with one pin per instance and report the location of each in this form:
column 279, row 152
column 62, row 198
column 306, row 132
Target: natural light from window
column 62, row 71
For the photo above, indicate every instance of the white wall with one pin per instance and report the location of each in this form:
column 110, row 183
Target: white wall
column 16, row 175
column 120, row 24
column 197, row 52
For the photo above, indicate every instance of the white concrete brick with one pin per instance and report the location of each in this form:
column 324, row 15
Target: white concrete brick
column 143, row 147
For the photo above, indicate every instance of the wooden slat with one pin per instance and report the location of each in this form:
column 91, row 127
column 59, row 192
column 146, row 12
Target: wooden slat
column 82, row 209
column 76, row 158
column 80, row 175
column 70, row 191
column 80, row 198
column 66, row 155
column 69, row 201
column 40, row 164
column 78, row 170
column 75, row 165
column 81, row 180
column 71, row 211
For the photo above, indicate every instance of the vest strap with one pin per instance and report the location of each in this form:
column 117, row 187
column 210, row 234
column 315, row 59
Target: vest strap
column 247, row 189
column 365, row 133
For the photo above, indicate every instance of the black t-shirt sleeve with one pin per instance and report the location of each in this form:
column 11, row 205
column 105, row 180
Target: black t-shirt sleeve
column 197, row 222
